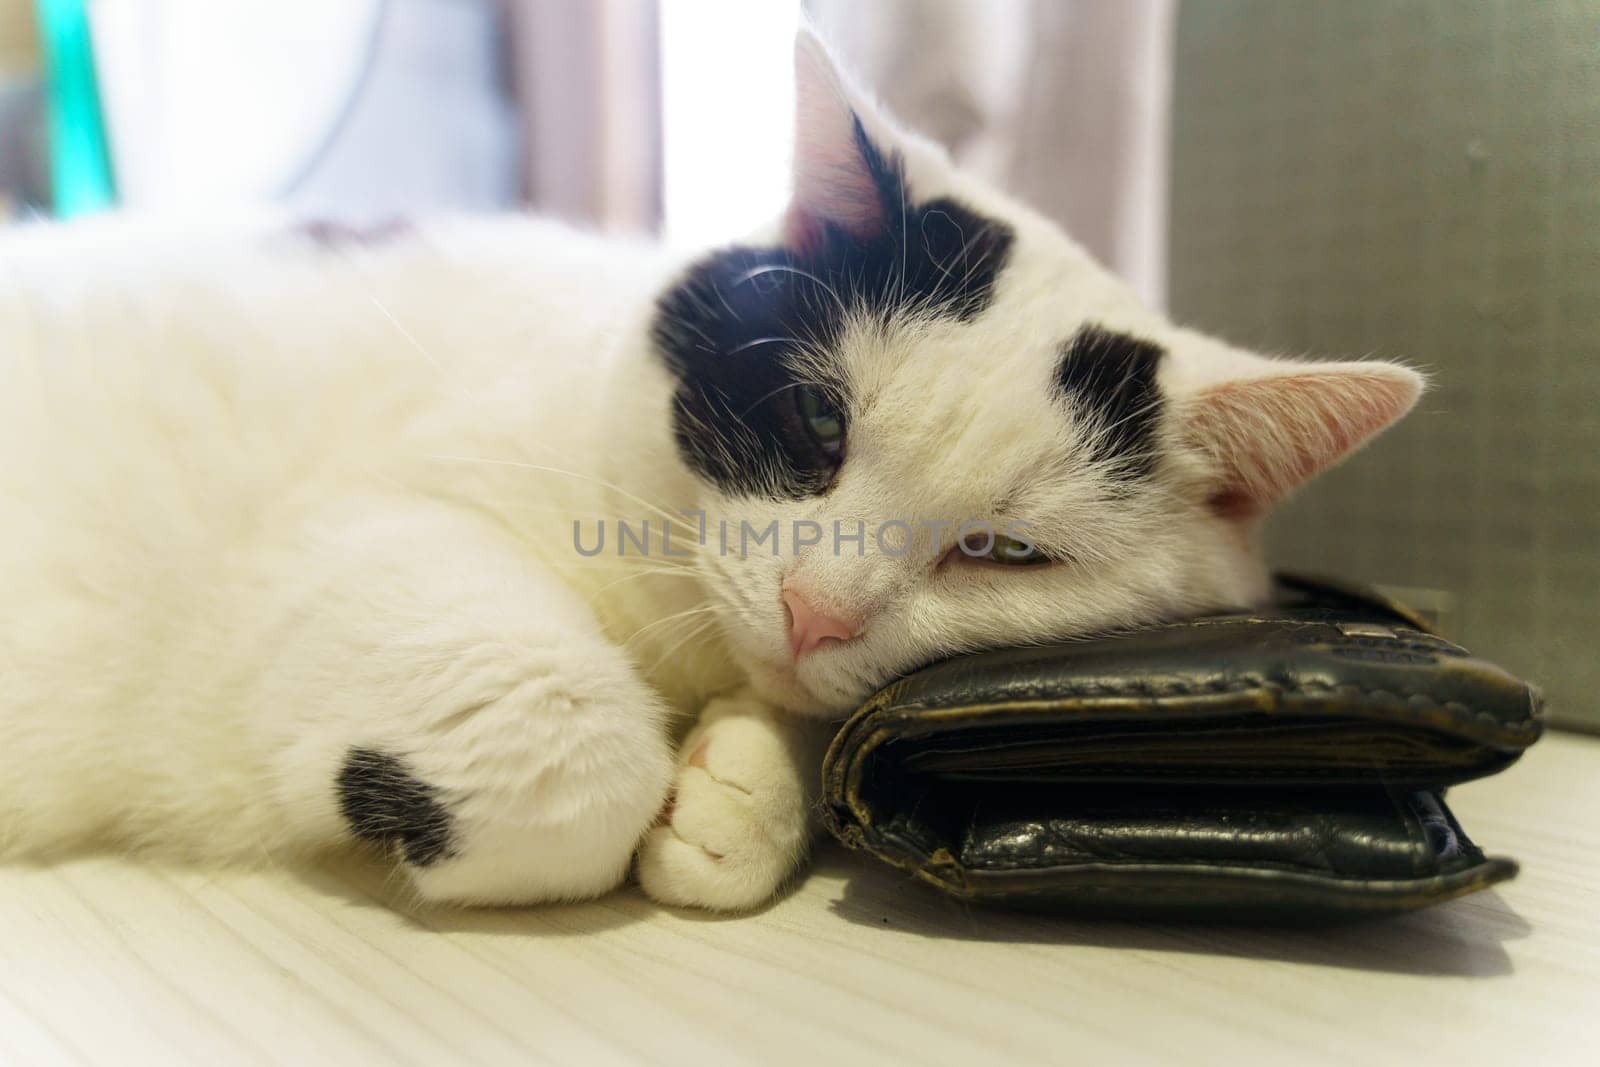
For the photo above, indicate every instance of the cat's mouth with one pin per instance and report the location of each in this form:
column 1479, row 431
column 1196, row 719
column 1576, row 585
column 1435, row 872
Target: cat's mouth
column 780, row 684
column 779, row 679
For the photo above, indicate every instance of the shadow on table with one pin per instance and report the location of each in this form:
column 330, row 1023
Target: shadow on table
column 367, row 883
column 1464, row 938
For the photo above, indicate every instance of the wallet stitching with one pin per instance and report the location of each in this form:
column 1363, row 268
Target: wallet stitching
column 1043, row 863
column 1341, row 773
column 1410, row 699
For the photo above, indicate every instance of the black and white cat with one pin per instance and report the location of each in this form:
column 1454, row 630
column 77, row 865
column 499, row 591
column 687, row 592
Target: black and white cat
column 298, row 538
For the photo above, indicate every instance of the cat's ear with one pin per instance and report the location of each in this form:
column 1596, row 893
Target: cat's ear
column 1269, row 431
column 845, row 174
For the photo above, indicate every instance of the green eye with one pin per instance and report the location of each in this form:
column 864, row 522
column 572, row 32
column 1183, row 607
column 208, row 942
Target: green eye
column 822, row 419
column 1008, row 551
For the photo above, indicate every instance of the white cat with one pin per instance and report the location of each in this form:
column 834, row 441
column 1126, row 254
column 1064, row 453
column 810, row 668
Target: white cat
column 297, row 532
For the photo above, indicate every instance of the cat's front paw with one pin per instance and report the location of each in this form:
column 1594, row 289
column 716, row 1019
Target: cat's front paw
column 737, row 825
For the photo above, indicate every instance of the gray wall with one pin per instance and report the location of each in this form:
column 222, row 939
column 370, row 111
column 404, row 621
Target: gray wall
column 1420, row 180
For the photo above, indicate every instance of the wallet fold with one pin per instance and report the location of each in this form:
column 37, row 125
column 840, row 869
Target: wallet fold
column 1285, row 763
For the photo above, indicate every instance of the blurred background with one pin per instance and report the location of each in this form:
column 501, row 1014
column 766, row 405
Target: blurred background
column 1410, row 179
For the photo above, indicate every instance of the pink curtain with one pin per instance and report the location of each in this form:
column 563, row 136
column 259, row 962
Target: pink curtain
column 587, row 78
column 1063, row 102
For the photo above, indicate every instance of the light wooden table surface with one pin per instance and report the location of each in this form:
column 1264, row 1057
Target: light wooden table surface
column 110, row 962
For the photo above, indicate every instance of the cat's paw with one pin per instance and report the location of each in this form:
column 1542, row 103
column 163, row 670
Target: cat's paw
column 736, row 827
column 503, row 805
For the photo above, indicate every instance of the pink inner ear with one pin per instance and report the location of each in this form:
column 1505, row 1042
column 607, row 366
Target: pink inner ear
column 1233, row 504
column 832, row 184
column 1271, row 434
column 832, row 180
column 802, row 231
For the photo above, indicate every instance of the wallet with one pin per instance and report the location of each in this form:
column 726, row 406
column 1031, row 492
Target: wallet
column 1282, row 764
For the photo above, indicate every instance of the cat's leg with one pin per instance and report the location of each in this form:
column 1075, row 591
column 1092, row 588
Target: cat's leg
column 741, row 818
column 449, row 700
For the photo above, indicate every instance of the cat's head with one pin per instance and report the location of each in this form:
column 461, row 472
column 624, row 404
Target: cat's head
column 909, row 348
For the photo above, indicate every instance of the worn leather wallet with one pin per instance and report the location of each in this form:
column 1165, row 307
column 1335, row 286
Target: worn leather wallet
column 1288, row 763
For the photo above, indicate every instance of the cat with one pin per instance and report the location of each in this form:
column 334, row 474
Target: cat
column 300, row 530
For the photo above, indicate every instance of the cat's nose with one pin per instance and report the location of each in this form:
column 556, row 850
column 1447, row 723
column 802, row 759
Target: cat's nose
column 809, row 627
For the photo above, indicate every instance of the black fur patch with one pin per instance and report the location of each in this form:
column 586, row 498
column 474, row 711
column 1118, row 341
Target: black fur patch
column 383, row 802
column 1111, row 378
column 732, row 329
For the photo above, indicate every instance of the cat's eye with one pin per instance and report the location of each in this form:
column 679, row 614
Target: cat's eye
column 1007, row 551
column 1015, row 553
column 822, row 419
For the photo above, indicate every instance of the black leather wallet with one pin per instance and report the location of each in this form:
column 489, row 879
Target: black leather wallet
column 1282, row 764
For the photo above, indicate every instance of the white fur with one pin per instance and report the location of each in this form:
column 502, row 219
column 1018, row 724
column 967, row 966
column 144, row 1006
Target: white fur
column 264, row 502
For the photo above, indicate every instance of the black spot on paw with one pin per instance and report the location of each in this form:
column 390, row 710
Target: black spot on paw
column 383, row 802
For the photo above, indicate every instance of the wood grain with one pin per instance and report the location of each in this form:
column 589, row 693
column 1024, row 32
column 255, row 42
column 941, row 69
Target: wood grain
column 107, row 961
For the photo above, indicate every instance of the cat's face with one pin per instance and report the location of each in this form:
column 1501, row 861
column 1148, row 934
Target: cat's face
column 912, row 358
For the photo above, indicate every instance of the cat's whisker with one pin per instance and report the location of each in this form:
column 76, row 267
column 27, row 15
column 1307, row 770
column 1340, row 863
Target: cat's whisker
column 660, row 508
column 961, row 254
column 781, row 389
column 658, row 572
column 903, row 268
column 466, row 395
column 541, row 468
column 736, row 349
column 665, row 619
column 1140, row 412
column 420, row 348
column 434, row 362
column 723, row 298
column 769, row 268
column 628, row 563
column 694, row 632
column 538, row 507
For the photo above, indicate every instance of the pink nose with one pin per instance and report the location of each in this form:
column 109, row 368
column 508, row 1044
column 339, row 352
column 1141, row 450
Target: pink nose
column 808, row 627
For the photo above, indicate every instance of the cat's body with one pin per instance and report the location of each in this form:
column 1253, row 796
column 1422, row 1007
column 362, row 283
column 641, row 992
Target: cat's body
column 289, row 557
column 223, row 435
